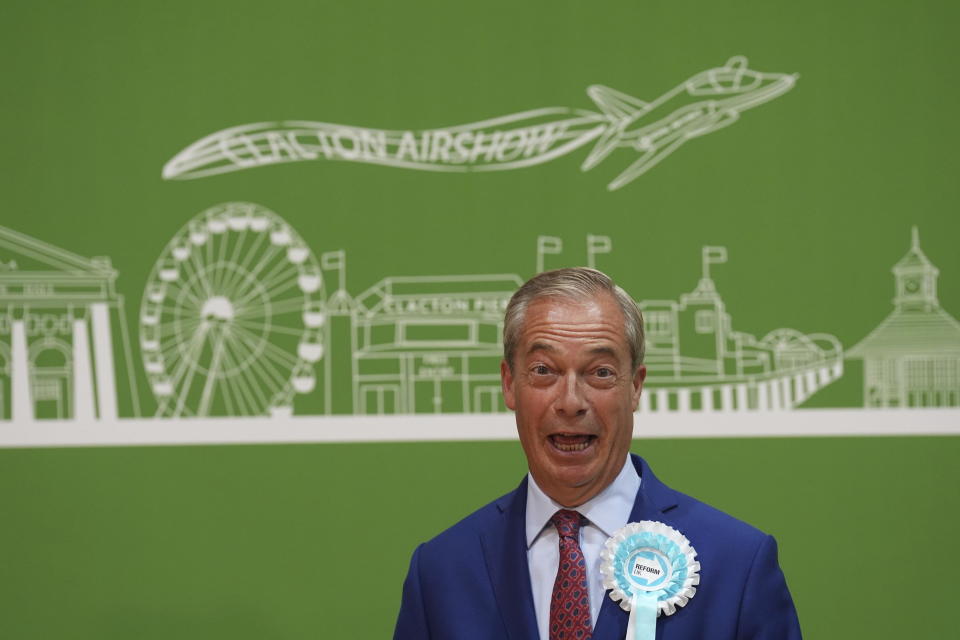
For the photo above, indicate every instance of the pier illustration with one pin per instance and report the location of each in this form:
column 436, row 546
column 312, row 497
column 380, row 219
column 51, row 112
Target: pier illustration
column 697, row 361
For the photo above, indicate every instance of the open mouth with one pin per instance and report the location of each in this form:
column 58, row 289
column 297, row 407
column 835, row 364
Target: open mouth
column 572, row 442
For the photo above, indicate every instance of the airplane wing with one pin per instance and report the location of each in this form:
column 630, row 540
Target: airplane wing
column 620, row 109
column 718, row 120
column 646, row 162
column 606, row 143
column 616, row 104
column 649, row 159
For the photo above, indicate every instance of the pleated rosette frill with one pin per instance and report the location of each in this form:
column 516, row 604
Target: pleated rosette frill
column 650, row 559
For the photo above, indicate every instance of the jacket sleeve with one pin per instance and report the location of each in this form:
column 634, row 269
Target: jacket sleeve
column 412, row 620
column 766, row 610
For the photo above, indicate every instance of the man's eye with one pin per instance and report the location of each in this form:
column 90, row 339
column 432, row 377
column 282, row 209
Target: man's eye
column 604, row 372
column 541, row 370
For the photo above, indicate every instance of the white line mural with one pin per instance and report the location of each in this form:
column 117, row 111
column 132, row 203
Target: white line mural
column 59, row 356
column 913, row 358
column 231, row 317
column 696, row 361
column 239, row 319
column 705, row 102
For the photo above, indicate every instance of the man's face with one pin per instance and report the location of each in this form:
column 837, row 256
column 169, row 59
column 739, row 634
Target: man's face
column 574, row 392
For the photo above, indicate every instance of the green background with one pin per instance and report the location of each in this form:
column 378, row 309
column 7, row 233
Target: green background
column 813, row 194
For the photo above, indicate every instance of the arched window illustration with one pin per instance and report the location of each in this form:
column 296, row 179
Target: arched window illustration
column 51, row 379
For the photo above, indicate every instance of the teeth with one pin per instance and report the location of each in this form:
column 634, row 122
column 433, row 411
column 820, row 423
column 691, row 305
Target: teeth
column 573, row 447
column 578, row 446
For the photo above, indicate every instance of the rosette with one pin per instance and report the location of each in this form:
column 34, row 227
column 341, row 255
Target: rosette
column 650, row 568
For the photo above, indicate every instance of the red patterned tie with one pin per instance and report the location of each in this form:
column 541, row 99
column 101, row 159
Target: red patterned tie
column 570, row 603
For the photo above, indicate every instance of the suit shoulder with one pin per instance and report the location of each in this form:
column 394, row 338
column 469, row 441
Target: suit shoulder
column 470, row 527
column 691, row 514
column 722, row 525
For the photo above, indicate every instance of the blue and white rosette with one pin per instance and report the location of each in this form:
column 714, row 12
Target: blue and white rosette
column 650, row 568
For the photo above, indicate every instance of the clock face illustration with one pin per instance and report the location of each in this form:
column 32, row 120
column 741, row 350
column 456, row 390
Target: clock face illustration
column 912, row 285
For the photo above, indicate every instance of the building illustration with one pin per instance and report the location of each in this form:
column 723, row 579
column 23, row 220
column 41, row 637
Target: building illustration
column 60, row 357
column 432, row 344
column 696, row 361
column 239, row 318
column 912, row 359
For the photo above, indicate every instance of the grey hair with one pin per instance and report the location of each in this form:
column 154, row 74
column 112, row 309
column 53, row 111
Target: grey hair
column 573, row 283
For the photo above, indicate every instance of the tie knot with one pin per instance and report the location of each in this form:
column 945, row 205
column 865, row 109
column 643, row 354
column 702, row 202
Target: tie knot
column 567, row 523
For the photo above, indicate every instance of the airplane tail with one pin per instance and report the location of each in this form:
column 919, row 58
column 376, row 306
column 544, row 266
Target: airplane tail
column 620, row 109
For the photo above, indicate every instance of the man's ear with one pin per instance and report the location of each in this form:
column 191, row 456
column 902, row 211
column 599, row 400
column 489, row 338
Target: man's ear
column 506, row 383
column 638, row 379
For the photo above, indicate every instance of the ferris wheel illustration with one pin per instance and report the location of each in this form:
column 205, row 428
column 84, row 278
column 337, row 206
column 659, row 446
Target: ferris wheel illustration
column 231, row 321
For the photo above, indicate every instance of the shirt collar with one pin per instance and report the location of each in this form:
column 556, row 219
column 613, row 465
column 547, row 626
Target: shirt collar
column 608, row 510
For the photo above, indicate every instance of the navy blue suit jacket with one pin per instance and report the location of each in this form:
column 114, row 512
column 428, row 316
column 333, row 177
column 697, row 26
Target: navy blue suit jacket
column 472, row 582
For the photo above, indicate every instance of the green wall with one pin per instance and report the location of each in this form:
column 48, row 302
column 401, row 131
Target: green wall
column 813, row 194
column 312, row 541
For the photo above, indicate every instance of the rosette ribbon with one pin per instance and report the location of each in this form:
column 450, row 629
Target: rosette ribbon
column 650, row 569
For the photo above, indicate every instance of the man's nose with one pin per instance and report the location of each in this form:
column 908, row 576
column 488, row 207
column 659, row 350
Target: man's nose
column 572, row 401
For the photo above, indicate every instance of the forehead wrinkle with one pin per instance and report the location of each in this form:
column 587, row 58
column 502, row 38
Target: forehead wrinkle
column 607, row 346
column 556, row 326
column 551, row 331
column 551, row 324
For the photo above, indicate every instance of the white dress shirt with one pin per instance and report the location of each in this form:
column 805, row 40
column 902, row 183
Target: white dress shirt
column 607, row 511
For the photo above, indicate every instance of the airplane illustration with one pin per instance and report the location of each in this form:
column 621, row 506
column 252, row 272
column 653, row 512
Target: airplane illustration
column 706, row 102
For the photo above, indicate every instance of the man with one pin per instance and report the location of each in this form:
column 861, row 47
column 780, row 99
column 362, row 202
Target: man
column 573, row 374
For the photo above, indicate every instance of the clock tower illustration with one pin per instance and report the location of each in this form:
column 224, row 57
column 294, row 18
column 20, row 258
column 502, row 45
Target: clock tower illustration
column 912, row 359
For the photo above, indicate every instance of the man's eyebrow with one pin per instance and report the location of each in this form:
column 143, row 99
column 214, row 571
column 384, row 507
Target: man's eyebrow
column 541, row 346
column 607, row 351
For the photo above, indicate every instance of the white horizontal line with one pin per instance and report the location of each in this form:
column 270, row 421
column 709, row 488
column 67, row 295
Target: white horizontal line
column 460, row 427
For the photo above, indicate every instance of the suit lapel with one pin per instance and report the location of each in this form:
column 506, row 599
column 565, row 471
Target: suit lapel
column 505, row 553
column 653, row 499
